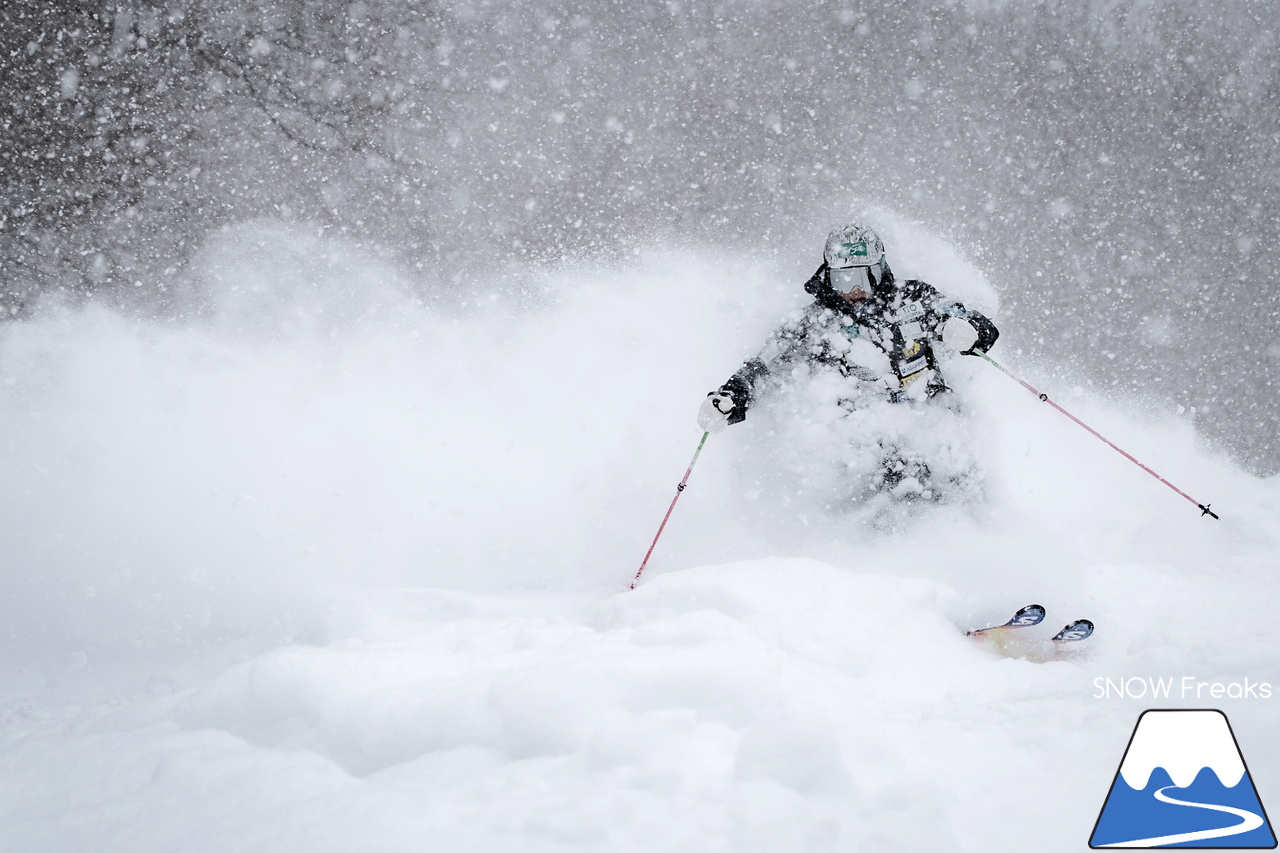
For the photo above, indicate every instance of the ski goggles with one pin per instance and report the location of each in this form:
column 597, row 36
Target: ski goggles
column 848, row 279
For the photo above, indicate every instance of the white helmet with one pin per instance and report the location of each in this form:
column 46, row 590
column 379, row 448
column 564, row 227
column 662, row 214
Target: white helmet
column 855, row 258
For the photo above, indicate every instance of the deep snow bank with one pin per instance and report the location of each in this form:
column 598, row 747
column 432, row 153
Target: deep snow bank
column 774, row 704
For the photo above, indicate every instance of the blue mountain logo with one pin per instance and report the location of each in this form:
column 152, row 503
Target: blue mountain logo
column 1183, row 783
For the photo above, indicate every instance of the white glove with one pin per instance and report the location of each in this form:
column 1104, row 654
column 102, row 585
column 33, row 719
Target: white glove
column 959, row 334
column 714, row 414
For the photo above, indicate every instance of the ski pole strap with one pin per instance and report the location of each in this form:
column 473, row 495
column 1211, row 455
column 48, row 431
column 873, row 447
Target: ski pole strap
column 679, row 489
column 1204, row 508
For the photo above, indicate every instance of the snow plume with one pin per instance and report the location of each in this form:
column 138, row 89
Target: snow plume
column 328, row 566
column 315, row 425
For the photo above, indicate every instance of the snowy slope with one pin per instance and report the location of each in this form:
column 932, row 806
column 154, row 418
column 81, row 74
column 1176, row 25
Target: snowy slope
column 330, row 567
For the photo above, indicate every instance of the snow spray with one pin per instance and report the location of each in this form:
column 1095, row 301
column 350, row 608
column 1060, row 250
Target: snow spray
column 1204, row 508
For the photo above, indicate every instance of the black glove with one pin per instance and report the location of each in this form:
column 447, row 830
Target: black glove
column 713, row 416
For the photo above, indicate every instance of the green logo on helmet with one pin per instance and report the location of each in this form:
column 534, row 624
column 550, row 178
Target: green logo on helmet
column 852, row 250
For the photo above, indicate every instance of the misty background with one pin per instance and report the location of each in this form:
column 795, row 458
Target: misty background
column 1111, row 166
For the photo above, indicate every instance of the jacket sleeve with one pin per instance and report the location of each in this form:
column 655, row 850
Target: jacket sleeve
column 987, row 331
column 742, row 387
column 786, row 342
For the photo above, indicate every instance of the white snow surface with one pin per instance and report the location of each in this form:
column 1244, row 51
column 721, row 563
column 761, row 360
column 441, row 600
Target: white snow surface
column 331, row 567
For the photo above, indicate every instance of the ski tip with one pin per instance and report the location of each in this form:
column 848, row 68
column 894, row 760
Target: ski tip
column 1032, row 614
column 1080, row 629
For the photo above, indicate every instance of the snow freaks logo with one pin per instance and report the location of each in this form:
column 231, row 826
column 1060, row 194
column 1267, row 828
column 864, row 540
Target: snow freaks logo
column 1182, row 783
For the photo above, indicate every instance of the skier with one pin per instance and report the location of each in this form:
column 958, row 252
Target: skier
column 875, row 331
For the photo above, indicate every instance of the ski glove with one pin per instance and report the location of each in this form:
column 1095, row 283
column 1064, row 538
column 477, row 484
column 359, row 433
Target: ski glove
column 714, row 414
column 960, row 335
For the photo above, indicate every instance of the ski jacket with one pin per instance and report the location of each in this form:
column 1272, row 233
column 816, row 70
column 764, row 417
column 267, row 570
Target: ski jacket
column 887, row 340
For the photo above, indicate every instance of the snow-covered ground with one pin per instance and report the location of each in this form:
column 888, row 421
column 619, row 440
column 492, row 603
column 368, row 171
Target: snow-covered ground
column 331, row 567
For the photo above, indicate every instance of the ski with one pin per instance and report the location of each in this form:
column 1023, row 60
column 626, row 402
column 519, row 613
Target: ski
column 1032, row 614
column 1081, row 629
column 1006, row 641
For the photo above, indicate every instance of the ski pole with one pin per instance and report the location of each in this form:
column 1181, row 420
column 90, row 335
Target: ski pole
column 1204, row 508
column 679, row 489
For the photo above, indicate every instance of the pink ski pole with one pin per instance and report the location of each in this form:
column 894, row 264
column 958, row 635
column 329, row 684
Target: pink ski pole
column 679, row 489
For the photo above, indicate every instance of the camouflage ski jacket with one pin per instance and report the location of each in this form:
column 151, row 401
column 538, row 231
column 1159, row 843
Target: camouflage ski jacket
column 887, row 339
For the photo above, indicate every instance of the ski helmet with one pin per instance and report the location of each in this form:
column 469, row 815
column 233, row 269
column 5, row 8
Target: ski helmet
column 855, row 258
